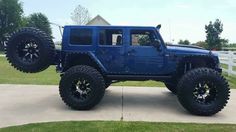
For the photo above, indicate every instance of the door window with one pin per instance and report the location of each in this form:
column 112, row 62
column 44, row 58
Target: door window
column 111, row 37
column 142, row 37
column 81, row 36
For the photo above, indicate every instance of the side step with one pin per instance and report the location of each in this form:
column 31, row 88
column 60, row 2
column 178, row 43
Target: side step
column 138, row 77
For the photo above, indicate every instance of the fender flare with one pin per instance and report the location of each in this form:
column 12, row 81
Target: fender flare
column 184, row 58
column 90, row 55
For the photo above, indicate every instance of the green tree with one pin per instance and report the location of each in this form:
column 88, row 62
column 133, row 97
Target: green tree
column 224, row 42
column 144, row 40
column 39, row 21
column 202, row 44
column 213, row 31
column 10, row 18
column 233, row 45
column 184, row 42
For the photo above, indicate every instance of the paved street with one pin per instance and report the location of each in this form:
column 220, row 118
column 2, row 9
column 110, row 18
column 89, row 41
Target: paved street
column 22, row 104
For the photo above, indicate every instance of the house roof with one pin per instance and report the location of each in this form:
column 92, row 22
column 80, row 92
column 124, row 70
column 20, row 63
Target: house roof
column 98, row 21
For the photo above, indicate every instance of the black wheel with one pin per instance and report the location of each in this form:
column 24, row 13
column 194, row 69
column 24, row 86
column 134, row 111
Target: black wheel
column 30, row 50
column 172, row 87
column 203, row 91
column 108, row 84
column 82, row 87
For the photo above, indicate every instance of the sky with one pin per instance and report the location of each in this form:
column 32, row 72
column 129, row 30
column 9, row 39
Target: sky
column 182, row 19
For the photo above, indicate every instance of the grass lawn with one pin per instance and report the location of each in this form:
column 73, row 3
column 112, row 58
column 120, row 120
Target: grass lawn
column 8, row 75
column 226, row 67
column 2, row 52
column 49, row 77
column 231, row 80
column 111, row 126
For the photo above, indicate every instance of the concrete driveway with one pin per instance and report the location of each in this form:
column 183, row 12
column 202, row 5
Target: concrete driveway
column 22, row 104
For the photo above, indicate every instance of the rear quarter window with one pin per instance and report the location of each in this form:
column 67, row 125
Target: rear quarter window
column 81, row 36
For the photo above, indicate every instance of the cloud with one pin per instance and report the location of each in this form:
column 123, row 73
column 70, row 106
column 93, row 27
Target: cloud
column 183, row 6
column 231, row 3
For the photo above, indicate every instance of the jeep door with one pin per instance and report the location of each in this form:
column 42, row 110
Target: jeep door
column 110, row 50
column 142, row 57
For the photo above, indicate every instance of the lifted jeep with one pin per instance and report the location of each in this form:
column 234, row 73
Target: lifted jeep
column 93, row 57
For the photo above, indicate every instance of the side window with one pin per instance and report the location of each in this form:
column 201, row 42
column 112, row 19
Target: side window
column 111, row 37
column 81, row 36
column 142, row 37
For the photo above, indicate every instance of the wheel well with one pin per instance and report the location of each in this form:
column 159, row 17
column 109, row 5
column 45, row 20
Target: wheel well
column 192, row 62
column 80, row 59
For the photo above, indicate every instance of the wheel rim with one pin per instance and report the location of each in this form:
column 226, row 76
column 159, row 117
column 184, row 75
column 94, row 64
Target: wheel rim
column 205, row 92
column 28, row 51
column 81, row 89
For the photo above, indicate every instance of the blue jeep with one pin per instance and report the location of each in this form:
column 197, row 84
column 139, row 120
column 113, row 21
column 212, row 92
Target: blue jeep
column 93, row 57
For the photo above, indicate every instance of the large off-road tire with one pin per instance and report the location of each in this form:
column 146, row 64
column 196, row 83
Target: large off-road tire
column 82, row 87
column 108, row 83
column 172, row 86
column 30, row 50
column 203, row 91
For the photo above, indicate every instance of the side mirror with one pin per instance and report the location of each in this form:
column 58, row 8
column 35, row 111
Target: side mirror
column 157, row 44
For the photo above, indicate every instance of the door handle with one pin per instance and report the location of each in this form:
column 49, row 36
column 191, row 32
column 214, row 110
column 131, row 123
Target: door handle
column 131, row 52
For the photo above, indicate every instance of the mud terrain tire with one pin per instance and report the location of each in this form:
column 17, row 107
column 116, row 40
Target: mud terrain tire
column 82, row 87
column 30, row 50
column 203, row 91
column 172, row 87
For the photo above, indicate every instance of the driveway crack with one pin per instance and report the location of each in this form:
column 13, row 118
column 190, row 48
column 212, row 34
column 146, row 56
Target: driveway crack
column 122, row 105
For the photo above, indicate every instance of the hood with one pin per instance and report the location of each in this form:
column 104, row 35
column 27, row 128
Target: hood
column 187, row 49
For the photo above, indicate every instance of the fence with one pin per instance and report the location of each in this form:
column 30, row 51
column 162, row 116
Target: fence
column 228, row 61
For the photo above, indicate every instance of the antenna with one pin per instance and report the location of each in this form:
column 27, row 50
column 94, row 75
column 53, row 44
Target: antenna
column 59, row 26
column 170, row 31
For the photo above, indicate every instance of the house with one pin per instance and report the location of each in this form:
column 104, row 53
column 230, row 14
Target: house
column 98, row 21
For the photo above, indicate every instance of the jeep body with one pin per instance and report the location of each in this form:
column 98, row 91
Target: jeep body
column 130, row 53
